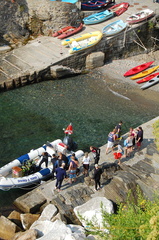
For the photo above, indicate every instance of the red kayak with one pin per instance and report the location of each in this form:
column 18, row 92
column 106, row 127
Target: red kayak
column 67, row 31
column 118, row 9
column 146, row 79
column 137, row 69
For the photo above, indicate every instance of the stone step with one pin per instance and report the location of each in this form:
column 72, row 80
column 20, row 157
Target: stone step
column 3, row 77
column 17, row 62
column 8, row 68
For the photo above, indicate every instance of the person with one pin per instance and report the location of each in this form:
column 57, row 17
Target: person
column 111, row 140
column 96, row 154
column 129, row 145
column 133, row 134
column 45, row 156
column 73, row 168
column 86, row 160
column 97, row 176
column 118, row 129
column 119, row 154
column 60, row 175
column 53, row 161
column 63, row 158
column 139, row 137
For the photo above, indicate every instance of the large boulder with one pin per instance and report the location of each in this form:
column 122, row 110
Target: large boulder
column 30, row 234
column 27, row 219
column 51, row 230
column 91, row 211
column 48, row 213
column 7, row 228
column 30, row 202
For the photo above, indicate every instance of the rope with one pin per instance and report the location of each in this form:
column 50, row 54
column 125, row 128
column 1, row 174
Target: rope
column 141, row 45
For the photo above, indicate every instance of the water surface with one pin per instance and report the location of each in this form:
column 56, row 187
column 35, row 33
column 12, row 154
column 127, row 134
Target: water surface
column 35, row 114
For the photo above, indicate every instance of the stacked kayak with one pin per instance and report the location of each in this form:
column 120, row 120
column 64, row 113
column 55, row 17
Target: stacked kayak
column 146, row 79
column 114, row 28
column 145, row 73
column 98, row 17
column 150, row 83
column 138, row 69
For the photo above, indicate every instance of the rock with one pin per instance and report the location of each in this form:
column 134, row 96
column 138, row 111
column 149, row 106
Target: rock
column 28, row 219
column 14, row 216
column 30, row 234
column 51, row 230
column 7, row 228
column 48, row 213
column 92, row 211
column 94, row 60
column 30, row 202
column 60, row 217
column 78, row 232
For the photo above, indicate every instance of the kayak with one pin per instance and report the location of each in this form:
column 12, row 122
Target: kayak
column 146, row 79
column 150, row 83
column 137, row 69
column 145, row 73
column 120, row 8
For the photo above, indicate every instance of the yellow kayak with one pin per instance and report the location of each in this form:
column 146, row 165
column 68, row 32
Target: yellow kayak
column 145, row 73
column 82, row 42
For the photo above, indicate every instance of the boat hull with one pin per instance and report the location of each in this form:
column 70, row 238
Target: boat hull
column 138, row 69
column 95, row 5
column 148, row 78
column 82, row 42
column 145, row 73
column 98, row 17
column 114, row 28
column 150, row 83
column 140, row 16
column 10, row 179
column 120, row 8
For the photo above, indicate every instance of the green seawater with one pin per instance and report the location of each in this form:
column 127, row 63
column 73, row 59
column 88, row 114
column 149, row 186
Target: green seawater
column 35, row 114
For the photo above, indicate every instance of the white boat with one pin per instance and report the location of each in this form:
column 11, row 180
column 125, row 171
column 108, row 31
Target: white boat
column 11, row 175
column 150, row 83
column 140, row 16
column 114, row 28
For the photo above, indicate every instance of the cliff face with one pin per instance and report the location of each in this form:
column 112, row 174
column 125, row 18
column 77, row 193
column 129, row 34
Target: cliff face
column 21, row 19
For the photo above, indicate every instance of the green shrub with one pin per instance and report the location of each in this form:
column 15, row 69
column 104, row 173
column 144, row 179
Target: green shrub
column 156, row 133
column 133, row 221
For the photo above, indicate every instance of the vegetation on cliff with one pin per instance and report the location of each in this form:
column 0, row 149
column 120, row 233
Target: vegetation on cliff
column 156, row 133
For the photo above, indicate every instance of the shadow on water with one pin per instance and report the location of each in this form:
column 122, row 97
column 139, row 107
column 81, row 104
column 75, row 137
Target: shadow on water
column 35, row 114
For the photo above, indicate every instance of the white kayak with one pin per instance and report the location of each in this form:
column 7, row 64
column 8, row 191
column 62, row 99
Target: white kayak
column 150, row 83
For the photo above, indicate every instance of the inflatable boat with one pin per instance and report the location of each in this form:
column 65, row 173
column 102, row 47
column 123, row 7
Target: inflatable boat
column 12, row 175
